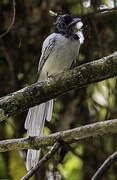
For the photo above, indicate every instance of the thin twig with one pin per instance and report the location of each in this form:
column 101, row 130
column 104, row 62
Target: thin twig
column 12, row 21
column 100, row 12
column 104, row 167
column 72, row 150
column 42, row 161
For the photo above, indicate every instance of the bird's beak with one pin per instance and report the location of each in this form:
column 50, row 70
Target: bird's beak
column 74, row 21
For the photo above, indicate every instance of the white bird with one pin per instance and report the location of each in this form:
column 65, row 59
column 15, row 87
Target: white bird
column 59, row 51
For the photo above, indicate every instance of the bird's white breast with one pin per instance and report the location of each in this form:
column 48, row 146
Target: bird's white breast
column 64, row 52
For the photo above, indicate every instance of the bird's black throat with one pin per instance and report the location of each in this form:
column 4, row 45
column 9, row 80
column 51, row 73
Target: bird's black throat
column 67, row 34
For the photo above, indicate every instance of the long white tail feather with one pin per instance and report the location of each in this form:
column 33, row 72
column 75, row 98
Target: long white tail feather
column 32, row 158
column 28, row 118
column 49, row 110
column 34, row 124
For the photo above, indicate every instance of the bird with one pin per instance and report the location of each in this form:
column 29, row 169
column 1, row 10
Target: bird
column 59, row 50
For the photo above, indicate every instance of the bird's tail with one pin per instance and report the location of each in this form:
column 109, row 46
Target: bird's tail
column 34, row 124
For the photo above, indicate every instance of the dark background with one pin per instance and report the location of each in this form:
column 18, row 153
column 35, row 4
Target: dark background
column 20, row 50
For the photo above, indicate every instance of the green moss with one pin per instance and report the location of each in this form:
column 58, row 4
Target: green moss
column 3, row 116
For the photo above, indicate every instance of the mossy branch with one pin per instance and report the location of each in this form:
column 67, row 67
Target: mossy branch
column 40, row 92
column 73, row 135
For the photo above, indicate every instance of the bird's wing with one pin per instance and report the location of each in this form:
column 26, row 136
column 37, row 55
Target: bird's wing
column 74, row 62
column 47, row 48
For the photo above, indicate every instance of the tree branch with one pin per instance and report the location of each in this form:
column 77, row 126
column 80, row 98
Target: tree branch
column 42, row 161
column 76, row 134
column 40, row 92
column 107, row 163
column 100, row 12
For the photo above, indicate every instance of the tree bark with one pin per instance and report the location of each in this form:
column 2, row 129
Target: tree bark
column 59, row 84
column 70, row 136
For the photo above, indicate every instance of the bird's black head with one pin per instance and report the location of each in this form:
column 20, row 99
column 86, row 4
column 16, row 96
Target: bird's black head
column 65, row 23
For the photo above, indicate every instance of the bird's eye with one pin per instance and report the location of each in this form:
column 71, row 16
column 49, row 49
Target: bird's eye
column 62, row 25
